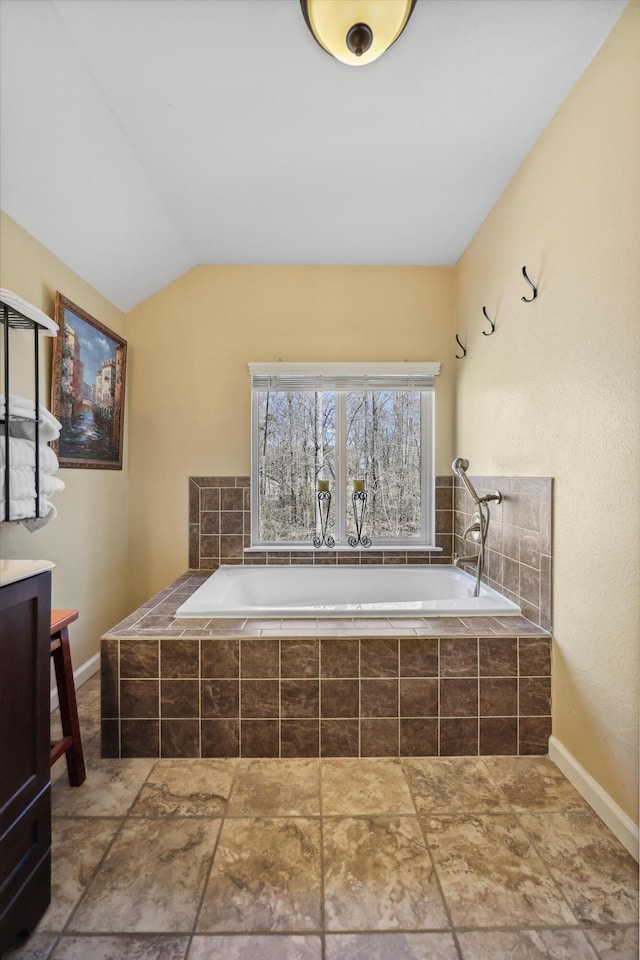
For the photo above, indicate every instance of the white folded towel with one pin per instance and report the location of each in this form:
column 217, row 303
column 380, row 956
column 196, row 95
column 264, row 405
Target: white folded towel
column 23, row 407
column 44, row 518
column 23, row 454
column 28, row 310
column 23, row 484
column 25, row 509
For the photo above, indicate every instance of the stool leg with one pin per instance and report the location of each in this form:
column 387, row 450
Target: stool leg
column 69, row 709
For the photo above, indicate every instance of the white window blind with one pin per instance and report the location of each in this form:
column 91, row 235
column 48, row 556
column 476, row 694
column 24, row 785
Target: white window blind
column 343, row 376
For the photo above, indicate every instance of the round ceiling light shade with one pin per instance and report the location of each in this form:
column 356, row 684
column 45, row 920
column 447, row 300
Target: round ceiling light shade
column 356, row 31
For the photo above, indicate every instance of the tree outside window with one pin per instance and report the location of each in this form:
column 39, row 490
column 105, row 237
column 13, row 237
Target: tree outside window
column 382, row 438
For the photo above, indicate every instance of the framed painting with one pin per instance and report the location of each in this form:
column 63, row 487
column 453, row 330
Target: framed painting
column 87, row 389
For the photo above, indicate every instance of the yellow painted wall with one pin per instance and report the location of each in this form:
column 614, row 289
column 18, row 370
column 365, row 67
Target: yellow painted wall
column 555, row 391
column 192, row 341
column 89, row 539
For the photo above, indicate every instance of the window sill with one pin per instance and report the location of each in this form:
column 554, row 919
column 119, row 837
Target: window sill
column 343, row 548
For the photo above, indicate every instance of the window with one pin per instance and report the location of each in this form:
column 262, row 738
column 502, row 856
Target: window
column 342, row 423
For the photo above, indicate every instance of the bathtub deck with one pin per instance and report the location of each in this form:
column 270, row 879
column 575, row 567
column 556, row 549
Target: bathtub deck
column 444, row 686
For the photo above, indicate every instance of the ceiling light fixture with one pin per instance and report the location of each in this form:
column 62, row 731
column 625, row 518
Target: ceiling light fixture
column 356, row 31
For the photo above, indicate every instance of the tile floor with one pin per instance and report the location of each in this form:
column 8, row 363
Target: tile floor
column 366, row 859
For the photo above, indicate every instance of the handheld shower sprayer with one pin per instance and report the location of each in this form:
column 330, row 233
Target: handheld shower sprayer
column 460, row 467
column 479, row 525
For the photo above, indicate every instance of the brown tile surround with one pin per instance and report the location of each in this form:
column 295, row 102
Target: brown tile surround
column 269, row 688
column 519, row 545
column 374, row 687
column 220, row 528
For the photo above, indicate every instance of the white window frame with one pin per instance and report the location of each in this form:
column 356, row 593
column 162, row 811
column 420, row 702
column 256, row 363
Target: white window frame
column 340, row 378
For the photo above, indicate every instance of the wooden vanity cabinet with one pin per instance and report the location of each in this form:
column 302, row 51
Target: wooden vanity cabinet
column 25, row 798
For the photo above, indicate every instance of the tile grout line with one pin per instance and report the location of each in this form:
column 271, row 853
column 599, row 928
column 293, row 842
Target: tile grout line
column 199, row 642
column 438, row 678
column 517, row 815
column 425, row 838
column 201, row 898
column 359, row 697
column 583, row 930
column 323, row 906
column 123, row 820
column 240, row 724
column 478, row 730
column 518, row 696
column 542, row 813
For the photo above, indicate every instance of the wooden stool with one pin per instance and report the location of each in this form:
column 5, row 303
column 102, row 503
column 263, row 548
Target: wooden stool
column 70, row 742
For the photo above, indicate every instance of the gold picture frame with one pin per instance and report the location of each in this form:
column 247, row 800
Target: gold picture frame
column 87, row 389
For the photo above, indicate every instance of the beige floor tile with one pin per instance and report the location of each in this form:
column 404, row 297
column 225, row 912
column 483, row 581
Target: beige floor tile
column 616, row 943
column 88, row 702
column 525, row 945
column 390, row 946
column 379, row 876
column 55, row 725
column 364, row 787
column 76, row 850
column 274, row 947
column 276, row 788
column 109, row 790
column 88, row 695
column 186, row 788
column 500, row 828
column 491, row 874
column 92, row 746
column 453, row 785
column 534, row 783
column 597, row 875
column 152, row 879
column 121, row 948
column 58, row 771
column 37, row 947
column 89, row 721
column 265, row 877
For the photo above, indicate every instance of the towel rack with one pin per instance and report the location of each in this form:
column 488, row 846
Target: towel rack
column 12, row 319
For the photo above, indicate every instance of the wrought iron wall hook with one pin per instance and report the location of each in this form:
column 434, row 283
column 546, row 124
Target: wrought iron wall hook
column 492, row 324
column 535, row 292
column 462, row 347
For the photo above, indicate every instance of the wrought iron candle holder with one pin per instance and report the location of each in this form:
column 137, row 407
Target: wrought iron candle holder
column 359, row 503
column 324, row 508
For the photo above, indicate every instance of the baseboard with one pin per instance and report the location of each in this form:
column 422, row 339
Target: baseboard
column 607, row 809
column 80, row 676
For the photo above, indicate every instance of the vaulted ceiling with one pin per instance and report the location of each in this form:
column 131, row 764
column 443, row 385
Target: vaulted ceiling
column 143, row 137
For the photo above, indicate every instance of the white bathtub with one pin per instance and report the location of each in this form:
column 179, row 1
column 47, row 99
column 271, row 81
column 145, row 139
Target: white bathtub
column 343, row 591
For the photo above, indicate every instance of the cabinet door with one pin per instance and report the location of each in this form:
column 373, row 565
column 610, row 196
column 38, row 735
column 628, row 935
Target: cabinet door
column 25, row 825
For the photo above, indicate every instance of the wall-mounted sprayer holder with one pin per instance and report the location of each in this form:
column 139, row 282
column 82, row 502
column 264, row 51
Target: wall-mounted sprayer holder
column 460, row 467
